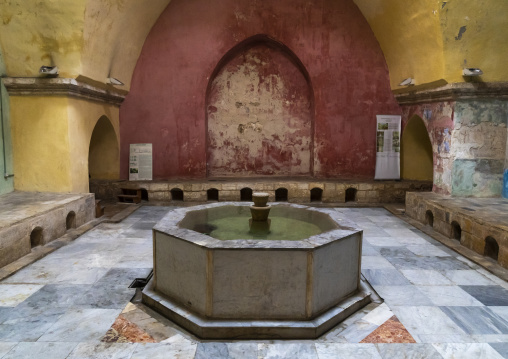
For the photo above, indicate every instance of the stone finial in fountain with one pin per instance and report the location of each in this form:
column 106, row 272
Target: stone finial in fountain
column 259, row 211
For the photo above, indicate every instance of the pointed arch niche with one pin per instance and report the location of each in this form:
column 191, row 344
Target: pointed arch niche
column 104, row 154
column 416, row 151
column 260, row 112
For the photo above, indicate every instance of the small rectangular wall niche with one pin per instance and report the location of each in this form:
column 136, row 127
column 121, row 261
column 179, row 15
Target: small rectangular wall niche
column 212, row 194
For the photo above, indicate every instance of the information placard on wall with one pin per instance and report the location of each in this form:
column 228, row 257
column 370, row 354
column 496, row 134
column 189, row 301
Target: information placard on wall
column 140, row 162
column 387, row 147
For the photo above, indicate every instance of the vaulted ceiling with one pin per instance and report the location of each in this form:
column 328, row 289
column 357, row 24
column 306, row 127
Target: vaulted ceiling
column 428, row 40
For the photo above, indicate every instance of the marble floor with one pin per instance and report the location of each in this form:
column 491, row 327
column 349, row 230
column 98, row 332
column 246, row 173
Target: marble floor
column 75, row 302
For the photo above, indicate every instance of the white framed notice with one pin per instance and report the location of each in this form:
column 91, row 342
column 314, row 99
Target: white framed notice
column 387, row 147
column 140, row 162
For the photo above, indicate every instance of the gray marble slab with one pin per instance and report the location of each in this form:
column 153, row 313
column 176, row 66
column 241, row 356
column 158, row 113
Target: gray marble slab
column 287, row 350
column 477, row 320
column 426, row 320
column 488, row 295
column 384, row 277
column 467, row 351
column 501, row 348
column 406, row 295
column 94, row 350
column 425, row 277
column 347, row 351
column 407, row 351
column 123, row 276
column 448, row 296
column 81, row 325
column 178, row 350
column 247, row 350
column 40, row 351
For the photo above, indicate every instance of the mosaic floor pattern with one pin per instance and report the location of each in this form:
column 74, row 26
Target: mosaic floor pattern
column 75, row 303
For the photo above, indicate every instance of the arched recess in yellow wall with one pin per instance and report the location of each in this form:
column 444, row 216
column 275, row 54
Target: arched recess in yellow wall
column 104, row 154
column 416, row 151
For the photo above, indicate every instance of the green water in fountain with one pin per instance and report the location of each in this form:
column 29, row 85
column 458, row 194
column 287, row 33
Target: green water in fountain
column 232, row 222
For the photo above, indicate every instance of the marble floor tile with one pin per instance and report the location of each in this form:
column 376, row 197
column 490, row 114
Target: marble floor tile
column 448, row 296
column 106, row 296
column 24, row 327
column 375, row 262
column 426, row 320
column 433, row 263
column 287, row 350
column 34, row 275
column 347, row 351
column 13, row 294
column 368, row 250
column 165, row 351
column 382, row 241
column 488, row 295
column 403, row 295
column 408, row 351
column 103, row 350
column 379, row 315
column 477, row 320
column 467, row 351
column 502, row 312
column 467, row 277
column 400, row 252
column 425, row 277
column 445, row 338
column 357, row 331
column 5, row 347
column 375, row 233
column 77, row 275
column 124, row 276
column 40, row 351
column 501, row 348
column 385, row 277
column 81, row 325
column 55, row 296
column 427, row 250
column 246, row 350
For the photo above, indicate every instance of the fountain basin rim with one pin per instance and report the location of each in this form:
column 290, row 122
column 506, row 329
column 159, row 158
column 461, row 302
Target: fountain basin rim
column 169, row 225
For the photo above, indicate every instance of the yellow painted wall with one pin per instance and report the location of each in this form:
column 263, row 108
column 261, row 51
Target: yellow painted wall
column 83, row 116
column 35, row 33
column 116, row 30
column 104, row 153
column 409, row 34
column 484, row 43
column 416, row 152
column 40, row 138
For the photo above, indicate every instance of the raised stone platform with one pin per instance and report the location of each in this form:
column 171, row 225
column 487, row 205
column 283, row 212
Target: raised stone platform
column 298, row 190
column 29, row 219
column 480, row 224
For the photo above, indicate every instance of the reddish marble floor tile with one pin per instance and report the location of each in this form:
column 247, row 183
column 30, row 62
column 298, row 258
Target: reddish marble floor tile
column 391, row 331
column 124, row 331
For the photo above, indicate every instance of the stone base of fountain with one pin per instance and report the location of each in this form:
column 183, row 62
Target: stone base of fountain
column 227, row 289
column 210, row 328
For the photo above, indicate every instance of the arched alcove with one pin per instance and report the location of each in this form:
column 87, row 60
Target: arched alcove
column 103, row 155
column 70, row 220
column 416, row 157
column 259, row 108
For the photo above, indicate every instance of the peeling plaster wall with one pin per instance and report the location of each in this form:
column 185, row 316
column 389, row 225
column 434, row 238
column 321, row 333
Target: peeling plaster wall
column 6, row 184
column 469, row 145
column 438, row 118
column 259, row 116
column 480, row 147
column 347, row 71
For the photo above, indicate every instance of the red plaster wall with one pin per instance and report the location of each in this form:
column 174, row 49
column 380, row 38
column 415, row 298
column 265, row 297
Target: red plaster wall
column 347, row 71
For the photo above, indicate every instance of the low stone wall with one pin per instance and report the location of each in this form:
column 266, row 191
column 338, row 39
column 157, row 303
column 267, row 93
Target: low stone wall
column 477, row 219
column 298, row 191
column 37, row 212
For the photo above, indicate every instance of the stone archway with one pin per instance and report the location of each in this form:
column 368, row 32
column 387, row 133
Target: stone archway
column 416, row 151
column 103, row 154
column 260, row 110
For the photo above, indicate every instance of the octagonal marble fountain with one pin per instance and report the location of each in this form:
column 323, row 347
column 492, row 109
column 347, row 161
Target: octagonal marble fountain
column 222, row 274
